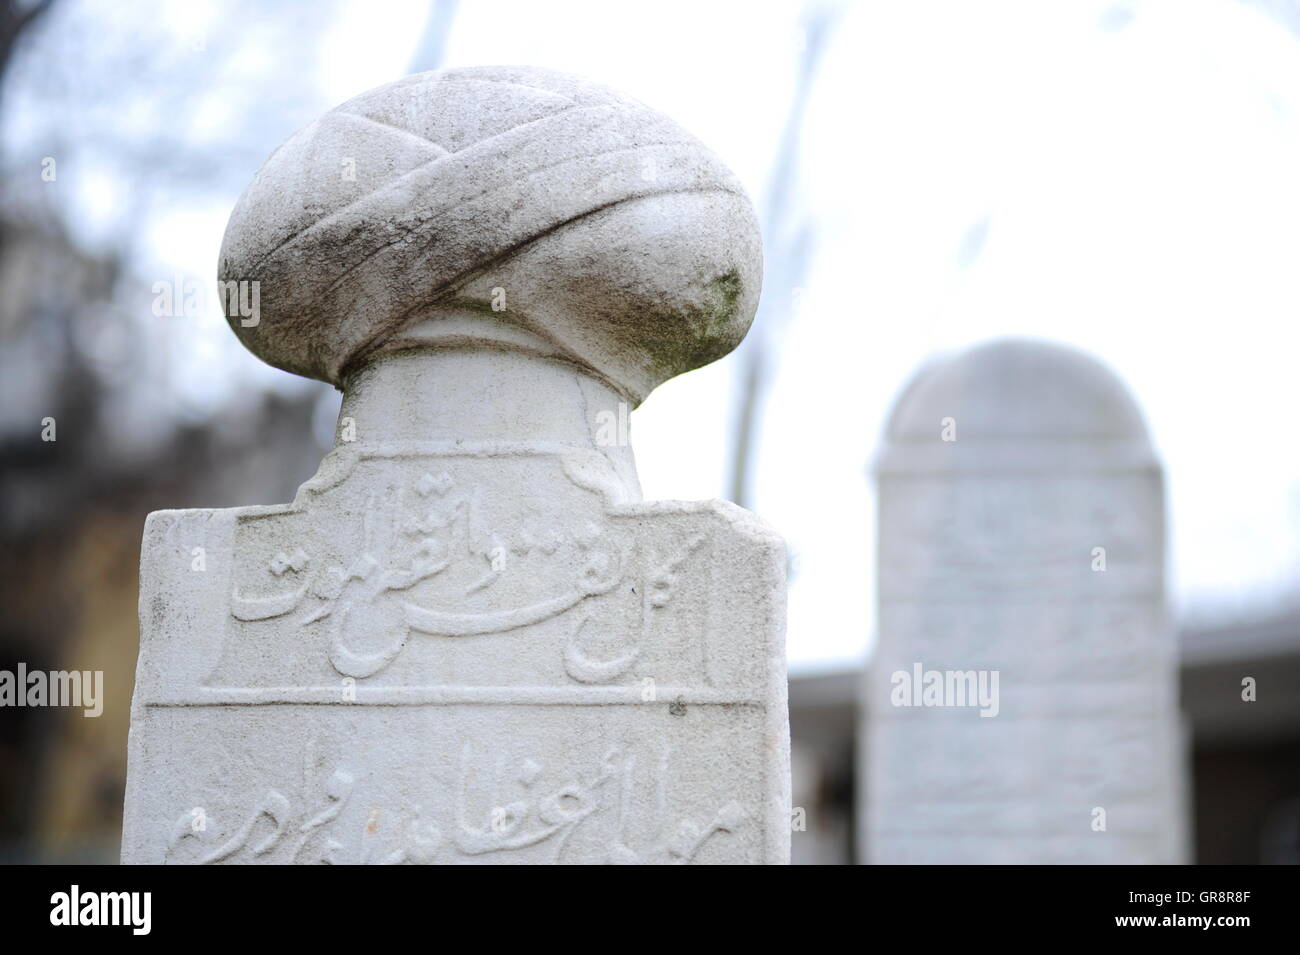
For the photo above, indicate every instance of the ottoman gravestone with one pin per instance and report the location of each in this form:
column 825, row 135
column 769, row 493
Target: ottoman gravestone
column 1021, row 704
column 468, row 639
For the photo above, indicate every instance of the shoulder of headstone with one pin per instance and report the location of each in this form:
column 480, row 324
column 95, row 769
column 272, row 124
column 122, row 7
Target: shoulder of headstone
column 167, row 532
column 730, row 517
column 156, row 522
column 745, row 523
column 159, row 522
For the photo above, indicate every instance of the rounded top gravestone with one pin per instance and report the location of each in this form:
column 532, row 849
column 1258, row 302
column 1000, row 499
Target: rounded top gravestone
column 1019, row 404
column 1022, row 700
column 510, row 207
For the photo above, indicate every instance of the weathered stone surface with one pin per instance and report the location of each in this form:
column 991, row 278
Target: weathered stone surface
column 988, row 561
column 468, row 639
column 389, row 222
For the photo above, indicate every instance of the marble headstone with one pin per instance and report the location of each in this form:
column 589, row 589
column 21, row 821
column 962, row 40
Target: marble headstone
column 1022, row 702
column 468, row 639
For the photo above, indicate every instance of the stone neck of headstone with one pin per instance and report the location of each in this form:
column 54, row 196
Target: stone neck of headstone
column 477, row 395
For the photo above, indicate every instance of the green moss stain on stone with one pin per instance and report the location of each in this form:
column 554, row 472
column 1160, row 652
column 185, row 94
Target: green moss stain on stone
column 706, row 331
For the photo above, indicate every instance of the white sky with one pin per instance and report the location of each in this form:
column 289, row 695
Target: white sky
column 1142, row 192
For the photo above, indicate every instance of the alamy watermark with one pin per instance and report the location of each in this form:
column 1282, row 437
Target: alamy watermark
column 181, row 297
column 76, row 907
column 612, row 428
column 922, row 687
column 79, row 688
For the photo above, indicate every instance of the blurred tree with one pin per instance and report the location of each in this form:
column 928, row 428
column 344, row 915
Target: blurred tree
column 15, row 18
column 139, row 119
column 432, row 48
column 786, row 246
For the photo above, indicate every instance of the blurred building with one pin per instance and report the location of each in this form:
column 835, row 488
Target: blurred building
column 71, row 518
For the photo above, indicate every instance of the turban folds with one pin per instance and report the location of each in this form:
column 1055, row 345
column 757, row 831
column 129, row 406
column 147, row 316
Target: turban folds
column 511, row 206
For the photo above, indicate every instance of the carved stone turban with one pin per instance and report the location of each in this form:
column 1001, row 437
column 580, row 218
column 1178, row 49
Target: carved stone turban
column 509, row 206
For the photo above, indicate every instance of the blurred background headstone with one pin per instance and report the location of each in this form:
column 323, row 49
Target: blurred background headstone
column 1022, row 702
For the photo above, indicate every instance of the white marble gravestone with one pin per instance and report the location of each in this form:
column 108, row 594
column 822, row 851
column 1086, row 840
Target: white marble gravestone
column 1021, row 538
column 468, row 639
